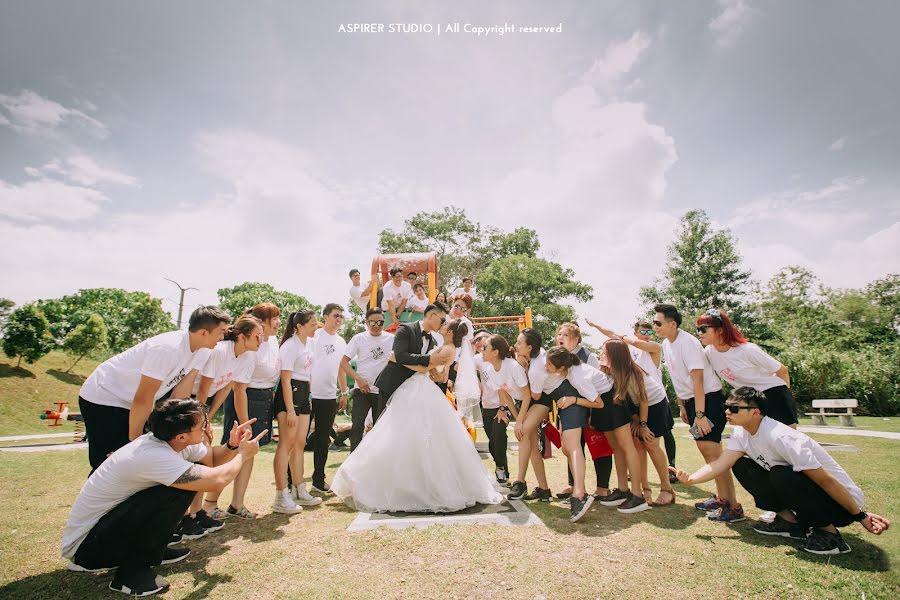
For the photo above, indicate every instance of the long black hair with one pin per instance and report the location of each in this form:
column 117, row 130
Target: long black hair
column 301, row 317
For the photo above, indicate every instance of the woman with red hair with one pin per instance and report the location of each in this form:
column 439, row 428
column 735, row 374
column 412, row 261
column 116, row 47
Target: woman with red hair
column 742, row 363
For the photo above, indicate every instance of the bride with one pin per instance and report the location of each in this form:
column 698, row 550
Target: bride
column 418, row 457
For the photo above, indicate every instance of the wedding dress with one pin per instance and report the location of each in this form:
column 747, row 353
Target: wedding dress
column 417, row 458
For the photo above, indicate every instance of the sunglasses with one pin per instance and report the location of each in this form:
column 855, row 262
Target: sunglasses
column 645, row 331
column 375, row 323
column 459, row 307
column 658, row 323
column 703, row 328
column 735, row 408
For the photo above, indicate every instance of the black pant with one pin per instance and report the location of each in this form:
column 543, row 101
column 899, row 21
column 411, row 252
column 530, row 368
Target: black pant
column 362, row 404
column 323, row 412
column 783, row 488
column 496, row 433
column 669, row 440
column 134, row 533
column 106, row 428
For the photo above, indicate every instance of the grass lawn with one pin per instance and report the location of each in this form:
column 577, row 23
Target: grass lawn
column 671, row 552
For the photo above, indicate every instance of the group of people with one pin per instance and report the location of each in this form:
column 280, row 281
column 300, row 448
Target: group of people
column 156, row 475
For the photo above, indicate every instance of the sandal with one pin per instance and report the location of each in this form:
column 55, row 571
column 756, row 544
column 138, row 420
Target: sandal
column 669, row 503
column 648, row 495
column 218, row 514
column 243, row 513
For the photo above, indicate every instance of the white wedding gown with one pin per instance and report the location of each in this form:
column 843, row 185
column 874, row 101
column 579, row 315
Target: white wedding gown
column 418, row 458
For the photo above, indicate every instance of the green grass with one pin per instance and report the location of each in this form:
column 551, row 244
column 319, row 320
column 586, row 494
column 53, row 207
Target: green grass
column 867, row 423
column 670, row 552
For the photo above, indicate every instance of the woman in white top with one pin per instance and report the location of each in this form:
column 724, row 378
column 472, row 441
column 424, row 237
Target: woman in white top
column 503, row 382
column 256, row 403
column 292, row 409
column 742, row 363
column 418, row 302
column 535, row 408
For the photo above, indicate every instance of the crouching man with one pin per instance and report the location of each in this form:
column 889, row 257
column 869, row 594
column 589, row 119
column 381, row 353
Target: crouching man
column 129, row 507
column 790, row 474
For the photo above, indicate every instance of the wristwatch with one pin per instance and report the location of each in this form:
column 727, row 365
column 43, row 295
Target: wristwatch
column 860, row 516
column 700, row 414
column 644, row 424
column 230, row 447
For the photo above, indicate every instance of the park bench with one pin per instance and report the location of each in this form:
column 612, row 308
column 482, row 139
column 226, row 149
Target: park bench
column 846, row 418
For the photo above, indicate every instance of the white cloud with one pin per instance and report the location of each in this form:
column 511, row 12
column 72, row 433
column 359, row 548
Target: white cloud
column 30, row 113
column 47, row 199
column 819, row 211
column 838, row 144
column 619, row 59
column 732, row 21
column 84, row 170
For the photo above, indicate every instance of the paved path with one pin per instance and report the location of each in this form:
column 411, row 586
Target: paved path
column 888, row 435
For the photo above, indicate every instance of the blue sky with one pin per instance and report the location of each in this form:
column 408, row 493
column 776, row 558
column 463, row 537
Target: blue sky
column 219, row 142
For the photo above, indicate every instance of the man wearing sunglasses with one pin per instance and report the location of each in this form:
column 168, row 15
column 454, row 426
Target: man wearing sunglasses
column 371, row 349
column 326, row 370
column 790, row 474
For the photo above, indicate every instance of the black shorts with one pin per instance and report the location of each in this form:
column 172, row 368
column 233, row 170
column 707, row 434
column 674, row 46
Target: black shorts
column 612, row 415
column 300, row 391
column 574, row 416
column 260, row 404
column 659, row 418
column 544, row 400
column 780, row 405
column 715, row 412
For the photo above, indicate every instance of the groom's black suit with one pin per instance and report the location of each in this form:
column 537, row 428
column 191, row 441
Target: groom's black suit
column 411, row 347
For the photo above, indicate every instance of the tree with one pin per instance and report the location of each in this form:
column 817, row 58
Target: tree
column 703, row 270
column 130, row 317
column 463, row 248
column 235, row 300
column 885, row 292
column 27, row 335
column 6, row 307
column 512, row 283
column 85, row 339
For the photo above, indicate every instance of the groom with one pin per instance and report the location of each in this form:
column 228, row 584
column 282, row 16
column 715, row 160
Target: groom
column 412, row 343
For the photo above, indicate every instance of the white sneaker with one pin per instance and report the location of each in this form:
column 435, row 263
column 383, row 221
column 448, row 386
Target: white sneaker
column 303, row 498
column 284, row 504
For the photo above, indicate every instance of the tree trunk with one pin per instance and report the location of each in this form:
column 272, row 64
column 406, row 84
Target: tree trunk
column 19, row 364
column 69, row 370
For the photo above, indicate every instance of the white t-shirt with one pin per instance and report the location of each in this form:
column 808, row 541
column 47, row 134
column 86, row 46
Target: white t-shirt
column 511, row 377
column 397, row 294
column 656, row 393
column 415, row 304
column 371, row 352
column 460, row 292
column 327, row 354
column 141, row 464
column 589, row 381
column 538, row 378
column 268, row 365
column 745, row 364
column 356, row 292
column 297, row 358
column 776, row 444
column 223, row 367
column 684, row 355
column 166, row 357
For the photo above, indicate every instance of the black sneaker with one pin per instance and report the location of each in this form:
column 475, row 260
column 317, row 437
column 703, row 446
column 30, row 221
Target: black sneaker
column 208, row 523
column 175, row 539
column 138, row 583
column 781, row 528
column 174, row 555
column 563, row 495
column 673, row 479
column 634, row 504
column 501, row 475
column 614, row 498
column 539, row 494
column 579, row 507
column 322, row 488
column 823, row 542
column 517, row 490
column 190, row 529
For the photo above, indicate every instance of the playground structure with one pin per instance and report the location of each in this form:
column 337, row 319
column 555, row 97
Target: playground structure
column 62, row 414
column 426, row 263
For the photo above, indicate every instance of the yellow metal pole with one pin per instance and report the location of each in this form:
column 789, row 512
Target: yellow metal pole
column 528, row 316
column 373, row 299
column 432, row 288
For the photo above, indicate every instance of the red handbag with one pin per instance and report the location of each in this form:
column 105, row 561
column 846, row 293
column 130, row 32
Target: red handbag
column 552, row 434
column 597, row 443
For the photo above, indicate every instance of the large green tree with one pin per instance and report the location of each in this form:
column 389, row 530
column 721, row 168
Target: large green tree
column 85, row 339
column 27, row 335
column 506, row 267
column 464, row 248
column 235, row 300
column 130, row 317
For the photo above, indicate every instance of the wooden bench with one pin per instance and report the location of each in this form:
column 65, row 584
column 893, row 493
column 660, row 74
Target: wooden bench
column 846, row 418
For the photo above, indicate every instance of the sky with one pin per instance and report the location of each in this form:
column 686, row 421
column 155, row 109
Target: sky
column 220, row 142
